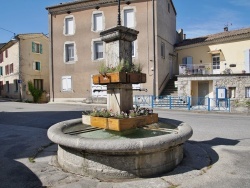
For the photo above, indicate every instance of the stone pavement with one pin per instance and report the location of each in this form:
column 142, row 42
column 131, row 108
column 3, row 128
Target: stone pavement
column 213, row 156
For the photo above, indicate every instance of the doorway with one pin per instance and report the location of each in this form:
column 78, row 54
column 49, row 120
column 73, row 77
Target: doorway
column 203, row 92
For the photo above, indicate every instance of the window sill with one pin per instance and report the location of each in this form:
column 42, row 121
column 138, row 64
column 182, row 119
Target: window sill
column 70, row 62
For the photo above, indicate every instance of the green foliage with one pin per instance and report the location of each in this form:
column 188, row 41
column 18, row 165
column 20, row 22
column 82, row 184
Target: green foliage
column 123, row 66
column 36, row 93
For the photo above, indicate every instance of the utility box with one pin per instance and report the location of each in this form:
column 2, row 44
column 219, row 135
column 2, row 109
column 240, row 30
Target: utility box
column 221, row 96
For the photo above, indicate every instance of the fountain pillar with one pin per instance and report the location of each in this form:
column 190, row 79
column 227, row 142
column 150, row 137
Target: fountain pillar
column 119, row 50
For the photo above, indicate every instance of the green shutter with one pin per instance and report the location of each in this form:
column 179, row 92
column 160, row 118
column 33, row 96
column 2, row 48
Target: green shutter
column 1, row 71
column 33, row 47
column 41, row 48
column 39, row 66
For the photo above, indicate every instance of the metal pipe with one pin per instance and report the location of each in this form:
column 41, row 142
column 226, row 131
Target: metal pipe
column 154, row 77
column 119, row 13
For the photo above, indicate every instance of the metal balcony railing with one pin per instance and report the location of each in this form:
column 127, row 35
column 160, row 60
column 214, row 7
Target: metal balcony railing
column 185, row 69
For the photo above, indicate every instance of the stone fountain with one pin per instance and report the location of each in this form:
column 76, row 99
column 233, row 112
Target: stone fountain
column 144, row 147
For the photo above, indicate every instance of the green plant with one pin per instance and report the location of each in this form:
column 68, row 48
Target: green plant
column 123, row 66
column 100, row 113
column 36, row 93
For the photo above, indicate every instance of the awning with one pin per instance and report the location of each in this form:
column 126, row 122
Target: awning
column 214, row 51
column 222, row 57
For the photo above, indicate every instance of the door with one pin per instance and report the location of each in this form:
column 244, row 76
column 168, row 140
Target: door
column 216, row 63
column 203, row 92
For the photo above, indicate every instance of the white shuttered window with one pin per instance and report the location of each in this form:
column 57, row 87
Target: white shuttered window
column 66, row 83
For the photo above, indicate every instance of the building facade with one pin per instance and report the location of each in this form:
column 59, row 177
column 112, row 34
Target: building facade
column 215, row 63
column 24, row 58
column 77, row 50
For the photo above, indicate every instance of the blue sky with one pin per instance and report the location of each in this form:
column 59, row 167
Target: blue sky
column 196, row 17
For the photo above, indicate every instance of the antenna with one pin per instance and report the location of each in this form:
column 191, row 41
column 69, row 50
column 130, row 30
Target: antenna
column 226, row 26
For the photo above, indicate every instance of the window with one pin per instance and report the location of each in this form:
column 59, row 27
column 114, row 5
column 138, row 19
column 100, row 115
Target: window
column 232, row 92
column 163, row 50
column 216, row 61
column 37, row 48
column 98, row 50
column 69, row 26
column 38, row 84
column 97, row 22
column 247, row 89
column 66, row 83
column 1, row 71
column 69, row 52
column 129, row 20
column 11, row 68
column 37, row 66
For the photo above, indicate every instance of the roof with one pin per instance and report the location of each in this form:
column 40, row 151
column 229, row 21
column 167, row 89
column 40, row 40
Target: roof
column 225, row 36
column 2, row 44
column 85, row 4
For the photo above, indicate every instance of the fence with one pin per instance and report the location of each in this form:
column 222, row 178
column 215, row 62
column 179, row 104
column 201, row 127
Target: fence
column 183, row 102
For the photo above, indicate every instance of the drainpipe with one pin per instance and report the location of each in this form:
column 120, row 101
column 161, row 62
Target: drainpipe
column 51, row 58
column 154, row 77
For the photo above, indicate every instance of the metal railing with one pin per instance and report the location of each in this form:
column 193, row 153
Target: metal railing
column 183, row 102
column 195, row 69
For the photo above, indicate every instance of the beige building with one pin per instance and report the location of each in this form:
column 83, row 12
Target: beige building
column 24, row 58
column 77, row 50
column 215, row 66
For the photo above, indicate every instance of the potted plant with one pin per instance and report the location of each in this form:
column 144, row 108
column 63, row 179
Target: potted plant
column 122, row 73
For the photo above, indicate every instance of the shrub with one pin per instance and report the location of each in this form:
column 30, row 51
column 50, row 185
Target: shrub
column 36, row 93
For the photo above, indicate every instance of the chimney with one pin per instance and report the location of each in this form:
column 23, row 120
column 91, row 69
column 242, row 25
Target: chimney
column 184, row 36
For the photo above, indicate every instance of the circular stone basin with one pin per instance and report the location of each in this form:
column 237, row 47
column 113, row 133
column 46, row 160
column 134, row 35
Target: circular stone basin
column 109, row 155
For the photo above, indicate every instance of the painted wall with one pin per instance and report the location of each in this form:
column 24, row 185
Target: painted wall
column 82, row 69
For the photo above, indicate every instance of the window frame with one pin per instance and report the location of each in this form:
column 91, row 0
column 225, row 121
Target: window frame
column 216, row 61
column 62, row 82
column 125, row 17
column 94, row 21
column 247, row 92
column 38, row 84
column 35, row 66
column 72, row 59
column 95, row 55
column 67, row 28
column 37, row 47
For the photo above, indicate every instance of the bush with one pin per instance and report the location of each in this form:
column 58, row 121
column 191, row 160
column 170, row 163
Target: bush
column 36, row 93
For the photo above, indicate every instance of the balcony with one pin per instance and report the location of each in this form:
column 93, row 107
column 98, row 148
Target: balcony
column 196, row 69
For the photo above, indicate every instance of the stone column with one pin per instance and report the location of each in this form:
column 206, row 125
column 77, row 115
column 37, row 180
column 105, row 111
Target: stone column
column 119, row 49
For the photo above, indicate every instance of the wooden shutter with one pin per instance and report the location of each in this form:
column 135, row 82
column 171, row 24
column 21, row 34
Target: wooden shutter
column 1, row 57
column 6, row 53
column 33, row 47
column 41, row 48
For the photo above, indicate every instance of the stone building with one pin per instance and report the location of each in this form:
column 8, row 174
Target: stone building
column 22, row 59
column 77, row 50
column 215, row 63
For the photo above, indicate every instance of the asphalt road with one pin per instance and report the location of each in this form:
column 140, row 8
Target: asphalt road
column 221, row 138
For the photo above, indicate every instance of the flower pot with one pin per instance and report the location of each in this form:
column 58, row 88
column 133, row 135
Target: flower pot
column 99, row 122
column 119, row 77
column 86, row 119
column 125, row 123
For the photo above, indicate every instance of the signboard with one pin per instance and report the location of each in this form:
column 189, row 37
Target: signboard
column 19, row 81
